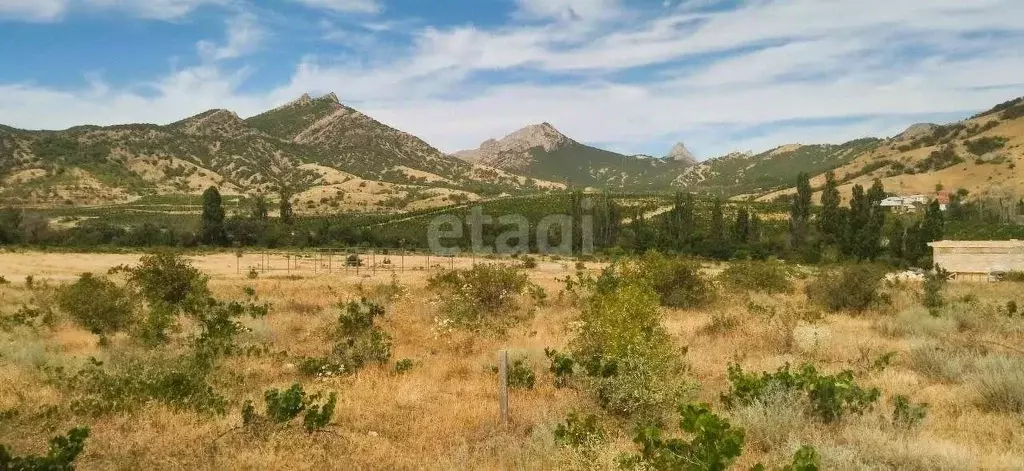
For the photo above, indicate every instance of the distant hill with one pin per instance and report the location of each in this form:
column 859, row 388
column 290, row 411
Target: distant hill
column 304, row 144
column 982, row 154
column 541, row 151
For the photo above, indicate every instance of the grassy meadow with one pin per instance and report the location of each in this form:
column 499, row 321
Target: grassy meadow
column 963, row 358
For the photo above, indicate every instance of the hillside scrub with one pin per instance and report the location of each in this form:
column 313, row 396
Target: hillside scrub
column 764, row 277
column 854, row 287
column 98, row 304
column 625, row 365
column 487, row 295
column 678, row 282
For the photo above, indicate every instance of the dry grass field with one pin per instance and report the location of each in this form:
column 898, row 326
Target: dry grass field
column 967, row 364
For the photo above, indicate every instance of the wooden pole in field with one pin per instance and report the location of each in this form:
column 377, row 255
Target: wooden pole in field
column 503, row 386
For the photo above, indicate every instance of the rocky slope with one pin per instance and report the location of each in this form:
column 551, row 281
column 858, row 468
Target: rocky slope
column 679, row 153
column 541, row 151
column 273, row 150
column 981, row 154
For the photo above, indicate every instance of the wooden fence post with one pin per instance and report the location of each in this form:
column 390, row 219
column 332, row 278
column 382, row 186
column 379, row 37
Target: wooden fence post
column 503, row 386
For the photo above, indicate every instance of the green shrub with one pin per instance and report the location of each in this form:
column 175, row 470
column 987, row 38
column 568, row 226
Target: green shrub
column 830, row 396
column 579, row 432
column 168, row 279
column 678, row 282
column 1014, row 276
column 179, row 382
column 485, row 295
column 284, row 406
column 404, row 365
column 714, row 445
column 984, row 145
column 98, row 304
column 629, row 358
column 61, row 455
column 763, row 277
column 906, row 414
column 529, row 262
column 359, row 342
column 854, row 287
column 31, row 317
column 520, row 376
column 3, row 281
column 933, row 284
column 561, row 366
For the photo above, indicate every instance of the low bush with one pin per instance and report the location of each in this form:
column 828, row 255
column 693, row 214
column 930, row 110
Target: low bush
column 168, row 279
column 520, row 375
column 284, row 406
column 63, row 451
column 906, row 414
column 763, row 277
column 485, row 295
column 179, row 382
column 98, row 304
column 715, row 444
column 1000, row 384
column 829, row 396
column 359, row 342
column 404, row 365
column 562, row 367
column 579, row 432
column 678, row 282
column 529, row 262
column 854, row 287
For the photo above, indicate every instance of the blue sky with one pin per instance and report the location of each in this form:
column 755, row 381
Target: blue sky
column 633, row 76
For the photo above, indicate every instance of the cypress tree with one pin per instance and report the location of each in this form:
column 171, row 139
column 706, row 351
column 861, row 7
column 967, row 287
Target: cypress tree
column 741, row 229
column 286, row 208
column 830, row 222
column 800, row 212
column 212, row 228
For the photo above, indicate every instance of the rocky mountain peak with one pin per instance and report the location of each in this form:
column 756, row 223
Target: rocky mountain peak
column 331, row 97
column 513, row 150
column 680, row 153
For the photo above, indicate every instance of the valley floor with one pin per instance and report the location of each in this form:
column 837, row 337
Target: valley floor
column 443, row 413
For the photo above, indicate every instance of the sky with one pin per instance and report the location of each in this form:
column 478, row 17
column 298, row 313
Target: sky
column 633, row 76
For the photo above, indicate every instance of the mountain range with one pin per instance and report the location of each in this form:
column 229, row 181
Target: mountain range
column 331, row 157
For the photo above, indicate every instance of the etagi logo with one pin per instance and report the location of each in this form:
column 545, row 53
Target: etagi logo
column 554, row 233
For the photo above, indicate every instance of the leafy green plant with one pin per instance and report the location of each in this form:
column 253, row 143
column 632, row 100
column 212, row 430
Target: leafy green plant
column 284, row 406
column 485, row 295
column 529, row 262
column 562, row 366
column 98, row 304
column 805, row 459
column 933, row 284
column 906, row 414
column 359, row 342
column 61, row 455
column 764, row 277
column 619, row 341
column 168, row 279
column 579, row 431
column 520, row 375
column 180, row 383
column 404, row 365
column 715, row 444
column 678, row 282
column 830, row 396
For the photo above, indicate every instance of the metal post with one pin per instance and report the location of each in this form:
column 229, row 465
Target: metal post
column 503, row 386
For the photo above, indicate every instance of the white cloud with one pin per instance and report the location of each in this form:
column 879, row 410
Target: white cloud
column 570, row 10
column 344, row 6
column 32, row 10
column 794, row 71
column 244, row 35
column 52, row 10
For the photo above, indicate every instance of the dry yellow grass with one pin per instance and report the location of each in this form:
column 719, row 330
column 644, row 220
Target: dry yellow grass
column 443, row 414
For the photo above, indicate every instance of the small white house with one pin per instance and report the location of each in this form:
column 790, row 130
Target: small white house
column 909, row 203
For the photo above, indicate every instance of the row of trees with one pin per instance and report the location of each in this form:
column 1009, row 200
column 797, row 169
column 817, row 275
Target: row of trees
column 862, row 231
